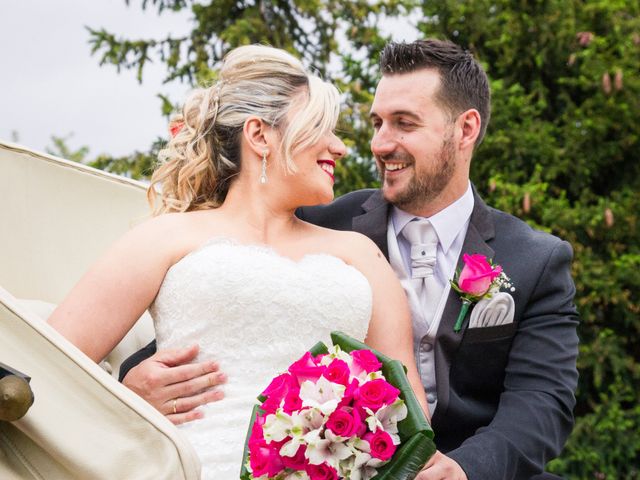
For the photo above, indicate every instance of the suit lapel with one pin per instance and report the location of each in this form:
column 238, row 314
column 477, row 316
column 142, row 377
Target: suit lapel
column 481, row 230
column 373, row 223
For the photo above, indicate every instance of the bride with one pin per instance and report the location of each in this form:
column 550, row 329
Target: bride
column 226, row 263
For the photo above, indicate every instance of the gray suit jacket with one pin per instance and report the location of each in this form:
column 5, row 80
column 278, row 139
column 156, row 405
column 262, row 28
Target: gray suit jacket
column 505, row 393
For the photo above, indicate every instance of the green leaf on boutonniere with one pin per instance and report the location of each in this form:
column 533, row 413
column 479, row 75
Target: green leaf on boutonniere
column 463, row 313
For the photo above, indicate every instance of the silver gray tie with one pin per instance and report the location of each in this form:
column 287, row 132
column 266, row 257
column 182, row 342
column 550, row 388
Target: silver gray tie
column 424, row 245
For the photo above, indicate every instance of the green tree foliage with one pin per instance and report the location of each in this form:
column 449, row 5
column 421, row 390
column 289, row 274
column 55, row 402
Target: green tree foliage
column 137, row 165
column 61, row 149
column 561, row 150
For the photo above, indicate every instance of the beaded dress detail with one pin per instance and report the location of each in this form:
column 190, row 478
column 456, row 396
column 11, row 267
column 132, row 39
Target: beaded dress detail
column 254, row 312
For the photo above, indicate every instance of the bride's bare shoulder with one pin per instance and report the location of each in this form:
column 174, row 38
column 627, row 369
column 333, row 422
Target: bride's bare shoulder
column 179, row 220
column 353, row 247
column 173, row 232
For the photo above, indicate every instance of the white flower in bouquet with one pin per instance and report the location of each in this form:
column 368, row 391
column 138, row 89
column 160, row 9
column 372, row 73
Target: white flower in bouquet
column 323, row 395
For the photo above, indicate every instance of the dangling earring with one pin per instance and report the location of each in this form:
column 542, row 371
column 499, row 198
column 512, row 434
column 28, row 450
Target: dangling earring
column 263, row 175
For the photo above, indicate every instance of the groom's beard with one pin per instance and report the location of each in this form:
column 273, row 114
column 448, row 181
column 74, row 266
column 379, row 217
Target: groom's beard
column 424, row 186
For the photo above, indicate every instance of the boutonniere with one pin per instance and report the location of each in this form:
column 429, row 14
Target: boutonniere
column 478, row 279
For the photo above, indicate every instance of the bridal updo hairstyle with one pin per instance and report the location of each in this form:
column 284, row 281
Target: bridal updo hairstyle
column 199, row 163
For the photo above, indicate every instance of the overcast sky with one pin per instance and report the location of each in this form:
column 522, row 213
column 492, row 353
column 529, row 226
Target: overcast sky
column 51, row 85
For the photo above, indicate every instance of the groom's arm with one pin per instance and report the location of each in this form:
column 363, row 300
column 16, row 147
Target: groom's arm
column 172, row 382
column 535, row 412
column 135, row 359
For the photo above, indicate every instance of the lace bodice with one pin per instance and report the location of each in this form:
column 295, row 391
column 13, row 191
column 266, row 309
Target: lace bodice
column 254, row 312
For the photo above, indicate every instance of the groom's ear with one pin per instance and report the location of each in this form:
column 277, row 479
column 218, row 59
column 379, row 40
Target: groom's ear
column 258, row 135
column 469, row 123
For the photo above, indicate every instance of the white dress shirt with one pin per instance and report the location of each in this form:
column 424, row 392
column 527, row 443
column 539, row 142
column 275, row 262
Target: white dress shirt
column 451, row 226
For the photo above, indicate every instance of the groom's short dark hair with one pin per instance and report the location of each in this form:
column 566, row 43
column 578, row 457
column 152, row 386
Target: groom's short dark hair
column 464, row 83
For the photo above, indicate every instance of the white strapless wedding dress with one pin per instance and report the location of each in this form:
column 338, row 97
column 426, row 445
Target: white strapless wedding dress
column 255, row 312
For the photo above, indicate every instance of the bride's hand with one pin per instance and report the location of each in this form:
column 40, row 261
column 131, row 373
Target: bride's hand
column 174, row 386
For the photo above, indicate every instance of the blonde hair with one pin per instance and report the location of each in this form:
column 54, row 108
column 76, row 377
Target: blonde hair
column 199, row 163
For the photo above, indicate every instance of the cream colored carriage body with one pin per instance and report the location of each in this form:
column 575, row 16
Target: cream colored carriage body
column 56, row 218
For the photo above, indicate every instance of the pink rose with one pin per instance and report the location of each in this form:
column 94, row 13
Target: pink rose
column 381, row 444
column 283, row 391
column 349, row 393
column 477, row 275
column 276, row 392
column 337, row 372
column 257, row 435
column 358, row 413
column 306, row 369
column 277, row 385
column 376, row 393
column 323, row 471
column 345, row 422
column 298, row 461
column 292, row 400
column 318, row 358
column 365, row 360
column 265, row 459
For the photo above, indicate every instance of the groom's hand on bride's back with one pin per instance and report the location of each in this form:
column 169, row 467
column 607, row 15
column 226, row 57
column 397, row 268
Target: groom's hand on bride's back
column 173, row 385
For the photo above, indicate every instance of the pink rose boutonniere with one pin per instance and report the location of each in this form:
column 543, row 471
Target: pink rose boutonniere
column 478, row 279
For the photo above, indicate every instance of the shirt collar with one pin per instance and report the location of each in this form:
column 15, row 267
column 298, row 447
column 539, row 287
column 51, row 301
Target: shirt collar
column 447, row 223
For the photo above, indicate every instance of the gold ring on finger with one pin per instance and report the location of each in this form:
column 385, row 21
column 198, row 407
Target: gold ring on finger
column 175, row 405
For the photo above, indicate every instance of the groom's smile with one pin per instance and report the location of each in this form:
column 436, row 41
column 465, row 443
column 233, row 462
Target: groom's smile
column 394, row 166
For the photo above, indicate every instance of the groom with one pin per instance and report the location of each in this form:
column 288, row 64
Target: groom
column 501, row 396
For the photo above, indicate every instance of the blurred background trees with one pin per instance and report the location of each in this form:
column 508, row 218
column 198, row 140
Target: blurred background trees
column 561, row 150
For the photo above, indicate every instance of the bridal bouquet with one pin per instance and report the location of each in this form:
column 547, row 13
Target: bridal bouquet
column 344, row 412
